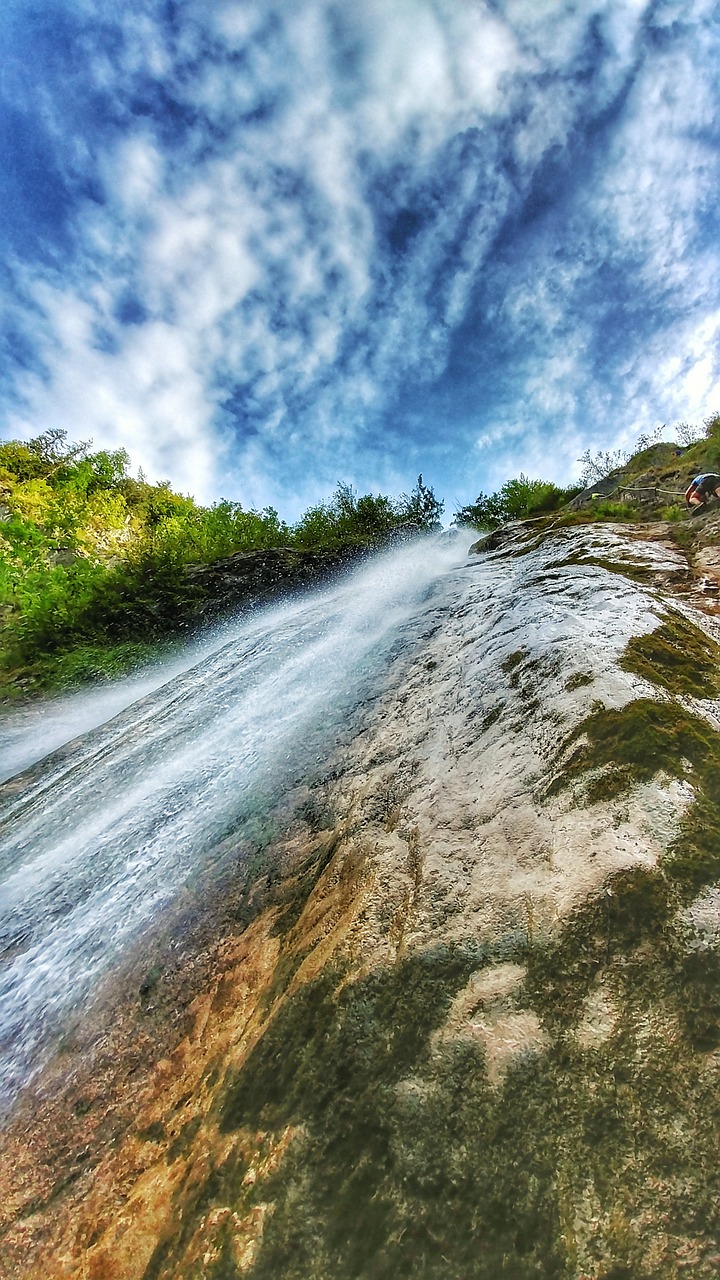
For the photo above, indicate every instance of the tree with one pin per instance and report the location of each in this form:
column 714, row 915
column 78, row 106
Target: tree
column 514, row 500
column 688, row 433
column 421, row 507
column 348, row 518
column 596, row 466
column 53, row 448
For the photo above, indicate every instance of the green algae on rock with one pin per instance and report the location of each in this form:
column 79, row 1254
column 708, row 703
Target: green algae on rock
column 615, row 748
column 677, row 656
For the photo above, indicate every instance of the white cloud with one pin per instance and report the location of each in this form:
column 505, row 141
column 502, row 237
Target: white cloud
column 256, row 243
column 134, row 175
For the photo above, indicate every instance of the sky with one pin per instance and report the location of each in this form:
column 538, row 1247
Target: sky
column 268, row 246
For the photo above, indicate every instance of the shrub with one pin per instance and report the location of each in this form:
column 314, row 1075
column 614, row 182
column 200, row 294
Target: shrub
column 346, row 518
column 421, row 507
column 606, row 509
column 674, row 513
column 516, row 499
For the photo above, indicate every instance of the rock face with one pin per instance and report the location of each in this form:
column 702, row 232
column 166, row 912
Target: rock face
column 464, row 1017
column 254, row 577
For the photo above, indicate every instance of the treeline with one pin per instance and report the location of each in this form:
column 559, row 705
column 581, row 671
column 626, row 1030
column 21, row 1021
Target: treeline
column 515, row 500
column 93, row 560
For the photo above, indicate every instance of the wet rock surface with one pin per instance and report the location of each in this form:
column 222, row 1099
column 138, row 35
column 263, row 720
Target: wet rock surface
column 459, row 1014
column 253, row 577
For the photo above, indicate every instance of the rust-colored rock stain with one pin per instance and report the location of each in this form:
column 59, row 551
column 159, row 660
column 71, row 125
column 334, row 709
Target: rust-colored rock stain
column 95, row 1176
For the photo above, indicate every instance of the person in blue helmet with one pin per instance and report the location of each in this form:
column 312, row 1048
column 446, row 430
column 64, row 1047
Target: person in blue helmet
column 701, row 490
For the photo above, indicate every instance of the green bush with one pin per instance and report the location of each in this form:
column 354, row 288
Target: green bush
column 92, row 663
column 346, row 518
column 606, row 509
column 515, row 500
column 421, row 507
column 674, row 512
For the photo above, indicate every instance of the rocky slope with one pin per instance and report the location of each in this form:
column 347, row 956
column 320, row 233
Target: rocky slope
column 463, row 1018
column 249, row 578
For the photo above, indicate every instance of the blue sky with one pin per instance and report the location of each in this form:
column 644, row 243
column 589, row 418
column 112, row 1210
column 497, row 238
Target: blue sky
column 268, row 246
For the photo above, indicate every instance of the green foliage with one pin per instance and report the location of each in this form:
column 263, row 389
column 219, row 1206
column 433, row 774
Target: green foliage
column 91, row 556
column 515, row 500
column 195, row 534
column 600, row 509
column 50, row 603
column 42, row 456
column 606, row 509
column 346, row 518
column 19, row 462
column 90, row 663
column 421, row 507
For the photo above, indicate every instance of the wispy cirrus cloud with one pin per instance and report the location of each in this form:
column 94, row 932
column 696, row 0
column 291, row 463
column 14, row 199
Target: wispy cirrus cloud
column 275, row 245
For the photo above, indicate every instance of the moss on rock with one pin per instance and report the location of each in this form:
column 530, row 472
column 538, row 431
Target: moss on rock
column 677, row 656
column 613, row 749
column 406, row 1161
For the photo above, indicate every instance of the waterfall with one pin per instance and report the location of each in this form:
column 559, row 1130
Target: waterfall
column 98, row 838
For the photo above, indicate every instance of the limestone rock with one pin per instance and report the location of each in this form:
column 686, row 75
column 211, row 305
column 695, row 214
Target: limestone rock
column 458, row 1013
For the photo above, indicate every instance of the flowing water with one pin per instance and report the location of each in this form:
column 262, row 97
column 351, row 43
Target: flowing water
column 98, row 837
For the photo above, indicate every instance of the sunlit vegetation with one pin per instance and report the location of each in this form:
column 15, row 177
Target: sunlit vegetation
column 515, row 500
column 347, row 518
column 93, row 560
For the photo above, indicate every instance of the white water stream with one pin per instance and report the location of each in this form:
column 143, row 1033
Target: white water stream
column 96, row 839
